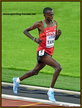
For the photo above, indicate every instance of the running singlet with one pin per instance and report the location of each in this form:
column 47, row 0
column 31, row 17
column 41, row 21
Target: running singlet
column 47, row 37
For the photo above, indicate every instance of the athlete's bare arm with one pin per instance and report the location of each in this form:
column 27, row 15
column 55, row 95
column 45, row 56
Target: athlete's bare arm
column 34, row 26
column 58, row 33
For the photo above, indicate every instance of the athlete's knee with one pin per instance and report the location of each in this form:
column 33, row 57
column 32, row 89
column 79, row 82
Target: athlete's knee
column 36, row 73
column 59, row 67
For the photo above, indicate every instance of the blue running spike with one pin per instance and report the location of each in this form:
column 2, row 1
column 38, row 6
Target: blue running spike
column 51, row 96
column 15, row 85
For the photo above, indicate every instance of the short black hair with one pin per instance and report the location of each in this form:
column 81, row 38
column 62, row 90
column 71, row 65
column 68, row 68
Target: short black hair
column 46, row 9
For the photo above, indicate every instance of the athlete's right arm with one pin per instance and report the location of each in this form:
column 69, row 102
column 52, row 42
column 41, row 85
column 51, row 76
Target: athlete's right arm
column 34, row 26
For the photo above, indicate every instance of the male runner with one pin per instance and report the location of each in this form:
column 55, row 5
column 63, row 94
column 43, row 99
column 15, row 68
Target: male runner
column 47, row 34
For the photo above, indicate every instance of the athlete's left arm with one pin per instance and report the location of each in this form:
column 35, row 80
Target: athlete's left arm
column 58, row 33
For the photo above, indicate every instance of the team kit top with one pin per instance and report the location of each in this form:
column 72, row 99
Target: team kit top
column 47, row 37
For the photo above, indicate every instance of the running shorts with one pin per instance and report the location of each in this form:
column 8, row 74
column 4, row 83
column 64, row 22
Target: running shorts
column 39, row 57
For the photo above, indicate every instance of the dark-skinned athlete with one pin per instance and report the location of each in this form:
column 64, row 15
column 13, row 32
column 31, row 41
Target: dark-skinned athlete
column 48, row 33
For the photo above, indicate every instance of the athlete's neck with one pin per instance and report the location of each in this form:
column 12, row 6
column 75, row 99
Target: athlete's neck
column 48, row 21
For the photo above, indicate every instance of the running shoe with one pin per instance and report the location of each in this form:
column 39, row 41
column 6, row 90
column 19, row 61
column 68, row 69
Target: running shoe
column 51, row 96
column 15, row 85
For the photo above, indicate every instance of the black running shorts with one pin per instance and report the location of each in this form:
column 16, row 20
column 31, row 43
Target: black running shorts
column 39, row 57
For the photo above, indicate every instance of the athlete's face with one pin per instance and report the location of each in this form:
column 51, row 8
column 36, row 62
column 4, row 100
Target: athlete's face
column 49, row 15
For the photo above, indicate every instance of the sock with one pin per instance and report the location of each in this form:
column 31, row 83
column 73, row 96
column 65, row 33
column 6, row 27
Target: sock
column 18, row 80
column 51, row 89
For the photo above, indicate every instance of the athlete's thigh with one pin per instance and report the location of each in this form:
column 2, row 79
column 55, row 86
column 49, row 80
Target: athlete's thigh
column 48, row 60
column 39, row 66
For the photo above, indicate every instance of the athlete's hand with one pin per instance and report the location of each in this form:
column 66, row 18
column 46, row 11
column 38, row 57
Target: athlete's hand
column 38, row 40
column 59, row 32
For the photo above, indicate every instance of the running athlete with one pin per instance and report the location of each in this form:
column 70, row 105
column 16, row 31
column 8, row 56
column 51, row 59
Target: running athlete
column 47, row 34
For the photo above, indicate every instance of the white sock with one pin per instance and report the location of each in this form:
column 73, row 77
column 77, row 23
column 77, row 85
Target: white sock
column 18, row 80
column 51, row 89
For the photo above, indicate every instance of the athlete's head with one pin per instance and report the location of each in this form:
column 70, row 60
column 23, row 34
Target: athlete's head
column 48, row 13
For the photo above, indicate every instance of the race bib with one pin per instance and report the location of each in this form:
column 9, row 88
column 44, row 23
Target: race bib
column 50, row 41
column 50, row 37
column 41, row 52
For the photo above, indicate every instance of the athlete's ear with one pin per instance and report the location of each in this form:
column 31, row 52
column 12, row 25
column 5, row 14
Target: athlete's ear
column 44, row 15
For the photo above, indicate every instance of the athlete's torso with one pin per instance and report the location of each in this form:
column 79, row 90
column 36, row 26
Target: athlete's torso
column 47, row 37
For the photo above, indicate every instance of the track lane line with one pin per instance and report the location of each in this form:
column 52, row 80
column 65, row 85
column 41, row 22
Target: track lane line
column 39, row 100
column 44, row 88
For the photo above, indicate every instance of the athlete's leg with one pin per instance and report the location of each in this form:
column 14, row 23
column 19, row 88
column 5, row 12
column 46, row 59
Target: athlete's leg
column 32, row 72
column 35, row 71
column 53, row 63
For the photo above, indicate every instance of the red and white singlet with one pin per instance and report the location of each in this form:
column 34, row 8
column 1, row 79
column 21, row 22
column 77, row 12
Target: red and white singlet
column 47, row 37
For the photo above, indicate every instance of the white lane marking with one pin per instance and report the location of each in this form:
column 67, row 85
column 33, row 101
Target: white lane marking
column 38, row 100
column 43, row 88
